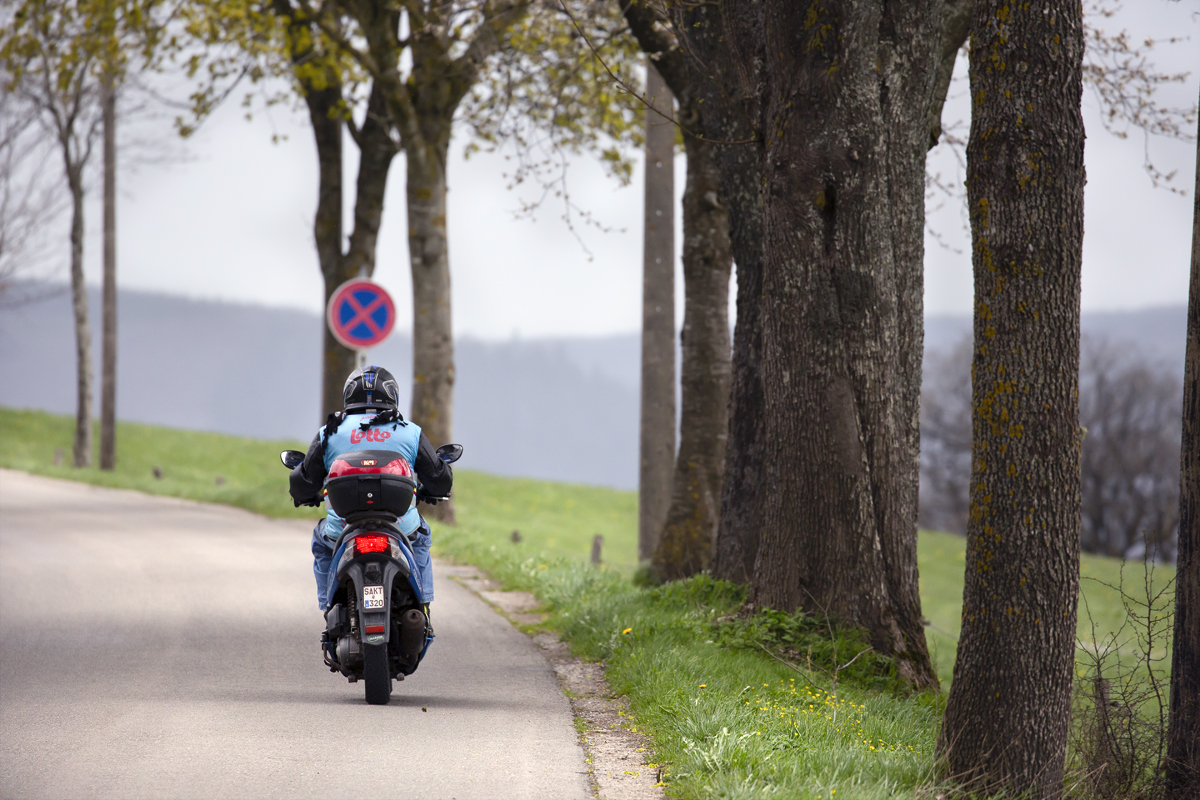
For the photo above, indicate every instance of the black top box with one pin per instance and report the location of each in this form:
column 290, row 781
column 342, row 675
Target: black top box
column 371, row 482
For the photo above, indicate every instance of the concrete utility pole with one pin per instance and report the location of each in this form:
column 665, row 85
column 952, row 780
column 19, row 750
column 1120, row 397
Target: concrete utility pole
column 657, row 443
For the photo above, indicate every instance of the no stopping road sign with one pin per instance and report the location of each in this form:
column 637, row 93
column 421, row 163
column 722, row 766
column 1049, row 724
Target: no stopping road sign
column 360, row 314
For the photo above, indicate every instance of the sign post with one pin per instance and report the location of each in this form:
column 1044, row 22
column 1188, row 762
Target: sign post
column 360, row 315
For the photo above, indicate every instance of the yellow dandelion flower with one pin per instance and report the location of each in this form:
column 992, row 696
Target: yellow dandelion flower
column 627, row 630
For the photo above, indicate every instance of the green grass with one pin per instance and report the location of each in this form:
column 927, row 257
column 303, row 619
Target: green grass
column 198, row 466
column 553, row 518
column 726, row 719
column 941, row 558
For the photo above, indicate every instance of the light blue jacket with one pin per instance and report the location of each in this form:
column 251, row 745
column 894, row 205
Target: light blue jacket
column 401, row 437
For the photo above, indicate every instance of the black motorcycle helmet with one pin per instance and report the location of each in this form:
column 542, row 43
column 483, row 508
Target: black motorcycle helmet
column 370, row 388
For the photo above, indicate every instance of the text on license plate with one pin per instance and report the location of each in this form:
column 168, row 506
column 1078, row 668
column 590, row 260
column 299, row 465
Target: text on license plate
column 372, row 597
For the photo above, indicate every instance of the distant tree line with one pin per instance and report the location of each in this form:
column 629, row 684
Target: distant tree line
column 1129, row 408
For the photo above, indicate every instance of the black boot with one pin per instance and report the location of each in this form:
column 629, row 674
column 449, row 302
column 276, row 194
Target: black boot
column 428, row 623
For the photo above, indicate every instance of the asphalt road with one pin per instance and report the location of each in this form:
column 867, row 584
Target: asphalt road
column 152, row 647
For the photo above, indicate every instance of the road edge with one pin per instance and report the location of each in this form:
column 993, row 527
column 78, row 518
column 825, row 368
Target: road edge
column 615, row 750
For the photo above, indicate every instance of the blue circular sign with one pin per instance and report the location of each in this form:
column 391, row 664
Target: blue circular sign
column 360, row 314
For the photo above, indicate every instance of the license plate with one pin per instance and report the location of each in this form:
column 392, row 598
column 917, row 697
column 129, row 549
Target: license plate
column 372, row 597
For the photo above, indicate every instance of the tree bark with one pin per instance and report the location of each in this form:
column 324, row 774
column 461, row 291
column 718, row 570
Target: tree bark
column 731, row 93
column 1005, row 725
column 337, row 361
column 685, row 547
column 108, row 368
column 738, row 530
column 82, row 450
column 846, row 101
column 956, row 27
column 1183, row 737
column 376, row 151
column 376, row 148
column 736, row 549
column 433, row 333
column 657, row 423
column 728, row 93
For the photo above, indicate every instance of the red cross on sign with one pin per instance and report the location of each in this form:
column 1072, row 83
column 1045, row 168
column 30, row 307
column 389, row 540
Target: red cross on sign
column 360, row 314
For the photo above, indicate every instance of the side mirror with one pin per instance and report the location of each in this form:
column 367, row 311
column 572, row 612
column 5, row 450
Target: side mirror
column 291, row 458
column 450, row 452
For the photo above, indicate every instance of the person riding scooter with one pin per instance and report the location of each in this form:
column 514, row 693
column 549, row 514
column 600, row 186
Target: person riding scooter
column 370, row 419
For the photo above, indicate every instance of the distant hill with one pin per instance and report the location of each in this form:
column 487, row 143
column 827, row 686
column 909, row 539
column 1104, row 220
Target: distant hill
column 1160, row 334
column 563, row 409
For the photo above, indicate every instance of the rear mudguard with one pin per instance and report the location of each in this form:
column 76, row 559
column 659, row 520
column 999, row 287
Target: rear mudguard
column 375, row 625
column 351, row 574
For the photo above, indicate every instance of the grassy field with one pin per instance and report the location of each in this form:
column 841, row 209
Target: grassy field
column 552, row 518
column 727, row 720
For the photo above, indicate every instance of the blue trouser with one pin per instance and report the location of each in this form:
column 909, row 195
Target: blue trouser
column 322, row 550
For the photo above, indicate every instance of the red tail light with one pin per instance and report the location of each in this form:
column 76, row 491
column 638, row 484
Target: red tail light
column 371, row 544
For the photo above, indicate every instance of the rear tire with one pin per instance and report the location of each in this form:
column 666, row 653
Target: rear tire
column 375, row 674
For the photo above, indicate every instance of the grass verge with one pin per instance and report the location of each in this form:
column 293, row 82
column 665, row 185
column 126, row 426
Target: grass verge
column 727, row 720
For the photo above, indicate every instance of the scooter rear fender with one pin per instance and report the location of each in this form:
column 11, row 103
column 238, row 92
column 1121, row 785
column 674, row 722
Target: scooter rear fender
column 374, row 625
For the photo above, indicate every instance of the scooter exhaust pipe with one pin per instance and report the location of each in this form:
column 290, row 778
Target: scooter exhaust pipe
column 412, row 635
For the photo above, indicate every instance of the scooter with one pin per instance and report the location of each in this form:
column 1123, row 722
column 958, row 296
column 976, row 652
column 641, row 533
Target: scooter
column 375, row 627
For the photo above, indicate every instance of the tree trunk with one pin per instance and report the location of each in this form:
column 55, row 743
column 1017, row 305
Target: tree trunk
column 1183, row 739
column 846, row 107
column 420, row 101
column 731, row 89
column 1005, row 726
column 376, row 148
column 685, row 546
column 956, row 27
column 726, row 91
column 83, row 334
column 433, row 334
column 108, row 369
column 337, row 361
column 376, row 151
column 657, row 427
column 736, row 548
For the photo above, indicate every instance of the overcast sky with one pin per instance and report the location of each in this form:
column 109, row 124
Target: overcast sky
column 232, row 219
